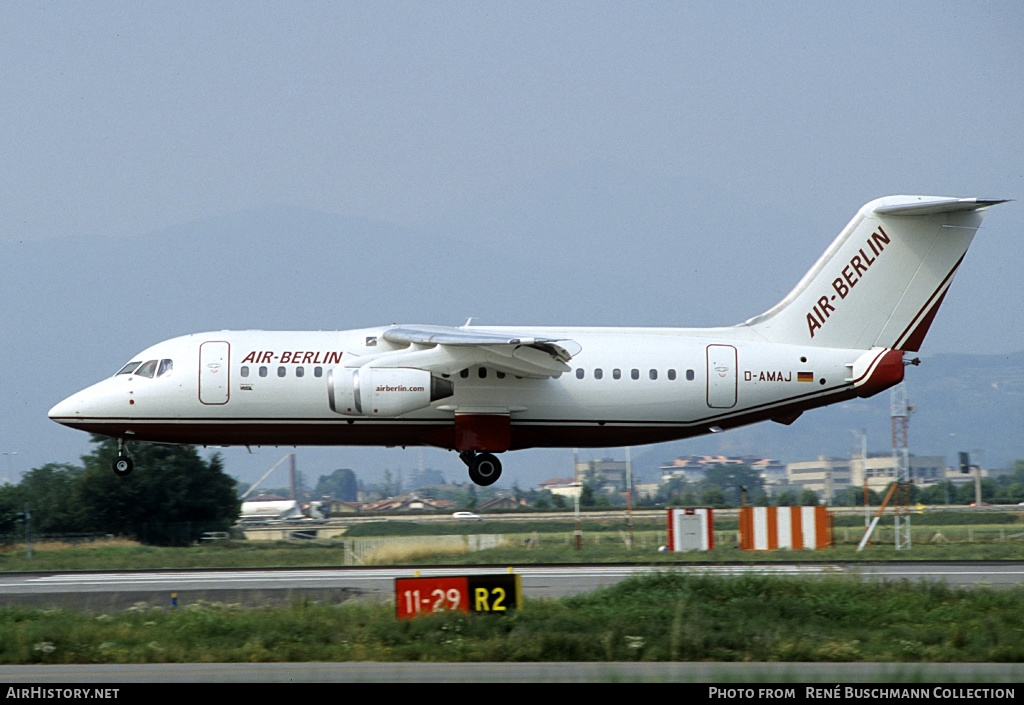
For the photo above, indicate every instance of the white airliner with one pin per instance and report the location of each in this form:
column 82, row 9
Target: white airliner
column 843, row 332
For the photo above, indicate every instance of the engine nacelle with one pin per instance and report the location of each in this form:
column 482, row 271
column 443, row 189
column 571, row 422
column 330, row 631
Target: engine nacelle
column 383, row 391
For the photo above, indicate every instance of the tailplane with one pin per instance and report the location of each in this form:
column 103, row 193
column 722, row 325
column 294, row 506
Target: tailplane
column 881, row 281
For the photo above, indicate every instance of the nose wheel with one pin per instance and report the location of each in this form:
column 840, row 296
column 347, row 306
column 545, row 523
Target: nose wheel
column 484, row 468
column 122, row 465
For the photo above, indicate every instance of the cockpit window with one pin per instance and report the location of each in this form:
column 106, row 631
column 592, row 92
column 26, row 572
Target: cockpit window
column 129, row 368
column 147, row 369
column 150, row 368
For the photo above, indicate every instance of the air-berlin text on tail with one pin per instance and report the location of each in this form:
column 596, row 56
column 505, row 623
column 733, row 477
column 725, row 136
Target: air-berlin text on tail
column 851, row 274
column 296, row 357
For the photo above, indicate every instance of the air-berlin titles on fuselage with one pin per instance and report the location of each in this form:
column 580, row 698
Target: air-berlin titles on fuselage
column 298, row 357
column 852, row 272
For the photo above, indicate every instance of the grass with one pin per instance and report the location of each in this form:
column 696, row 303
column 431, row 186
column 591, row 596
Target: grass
column 413, row 552
column 936, row 537
column 668, row 616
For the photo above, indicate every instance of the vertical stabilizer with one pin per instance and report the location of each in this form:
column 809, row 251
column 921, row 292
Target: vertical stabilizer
column 881, row 281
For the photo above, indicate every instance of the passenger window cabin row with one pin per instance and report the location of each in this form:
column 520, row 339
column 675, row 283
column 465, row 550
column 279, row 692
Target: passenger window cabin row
column 282, row 371
column 598, row 373
column 633, row 374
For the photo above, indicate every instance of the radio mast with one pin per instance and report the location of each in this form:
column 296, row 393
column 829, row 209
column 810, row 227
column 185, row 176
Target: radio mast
column 900, row 412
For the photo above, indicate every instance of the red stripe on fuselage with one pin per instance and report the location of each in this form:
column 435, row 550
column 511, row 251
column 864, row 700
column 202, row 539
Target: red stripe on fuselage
column 554, row 433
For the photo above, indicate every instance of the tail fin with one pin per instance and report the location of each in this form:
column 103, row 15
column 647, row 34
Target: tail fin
column 882, row 280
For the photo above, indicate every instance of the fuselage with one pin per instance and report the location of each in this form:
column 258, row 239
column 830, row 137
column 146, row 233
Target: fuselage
column 840, row 333
column 624, row 386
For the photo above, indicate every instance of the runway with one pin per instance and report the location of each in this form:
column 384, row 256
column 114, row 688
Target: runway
column 112, row 590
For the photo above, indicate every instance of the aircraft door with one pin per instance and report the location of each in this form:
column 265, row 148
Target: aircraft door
column 214, row 357
column 721, row 376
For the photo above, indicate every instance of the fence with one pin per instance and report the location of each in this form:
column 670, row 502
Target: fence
column 931, row 534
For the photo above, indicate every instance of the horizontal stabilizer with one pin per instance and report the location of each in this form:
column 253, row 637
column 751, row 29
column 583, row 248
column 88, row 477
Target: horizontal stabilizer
column 933, row 206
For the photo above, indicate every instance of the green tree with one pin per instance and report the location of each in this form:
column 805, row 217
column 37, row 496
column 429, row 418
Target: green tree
column 808, row 498
column 671, row 491
column 729, row 479
column 587, row 496
column 340, row 484
column 786, row 498
column 49, row 492
column 1010, row 494
column 965, row 493
column 713, row 497
column 171, row 497
column 590, row 479
column 854, row 497
column 12, row 502
column 940, row 493
column 390, row 487
column 428, row 477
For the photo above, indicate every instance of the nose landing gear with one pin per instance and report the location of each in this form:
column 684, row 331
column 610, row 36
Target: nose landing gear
column 122, row 465
column 484, row 468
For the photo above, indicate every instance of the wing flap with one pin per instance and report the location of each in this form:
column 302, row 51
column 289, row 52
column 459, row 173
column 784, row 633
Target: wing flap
column 445, row 350
column 444, row 335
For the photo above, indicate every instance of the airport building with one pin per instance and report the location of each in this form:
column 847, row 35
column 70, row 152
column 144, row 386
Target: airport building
column 693, row 469
column 824, row 475
column 828, row 475
column 605, row 471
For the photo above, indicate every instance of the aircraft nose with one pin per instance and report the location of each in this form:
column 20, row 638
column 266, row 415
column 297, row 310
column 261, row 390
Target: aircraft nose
column 95, row 401
column 65, row 410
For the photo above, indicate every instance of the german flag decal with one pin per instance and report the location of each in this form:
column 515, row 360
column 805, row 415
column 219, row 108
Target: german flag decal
column 804, row 376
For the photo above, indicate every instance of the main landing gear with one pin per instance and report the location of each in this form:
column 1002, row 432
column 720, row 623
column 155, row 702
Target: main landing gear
column 484, row 468
column 122, row 465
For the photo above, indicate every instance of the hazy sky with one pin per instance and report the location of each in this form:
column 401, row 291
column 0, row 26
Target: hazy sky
column 122, row 118
column 125, row 118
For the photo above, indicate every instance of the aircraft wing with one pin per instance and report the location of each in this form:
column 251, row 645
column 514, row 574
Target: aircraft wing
column 449, row 350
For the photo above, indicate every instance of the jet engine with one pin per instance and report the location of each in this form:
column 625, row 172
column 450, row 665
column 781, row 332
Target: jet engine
column 383, row 391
